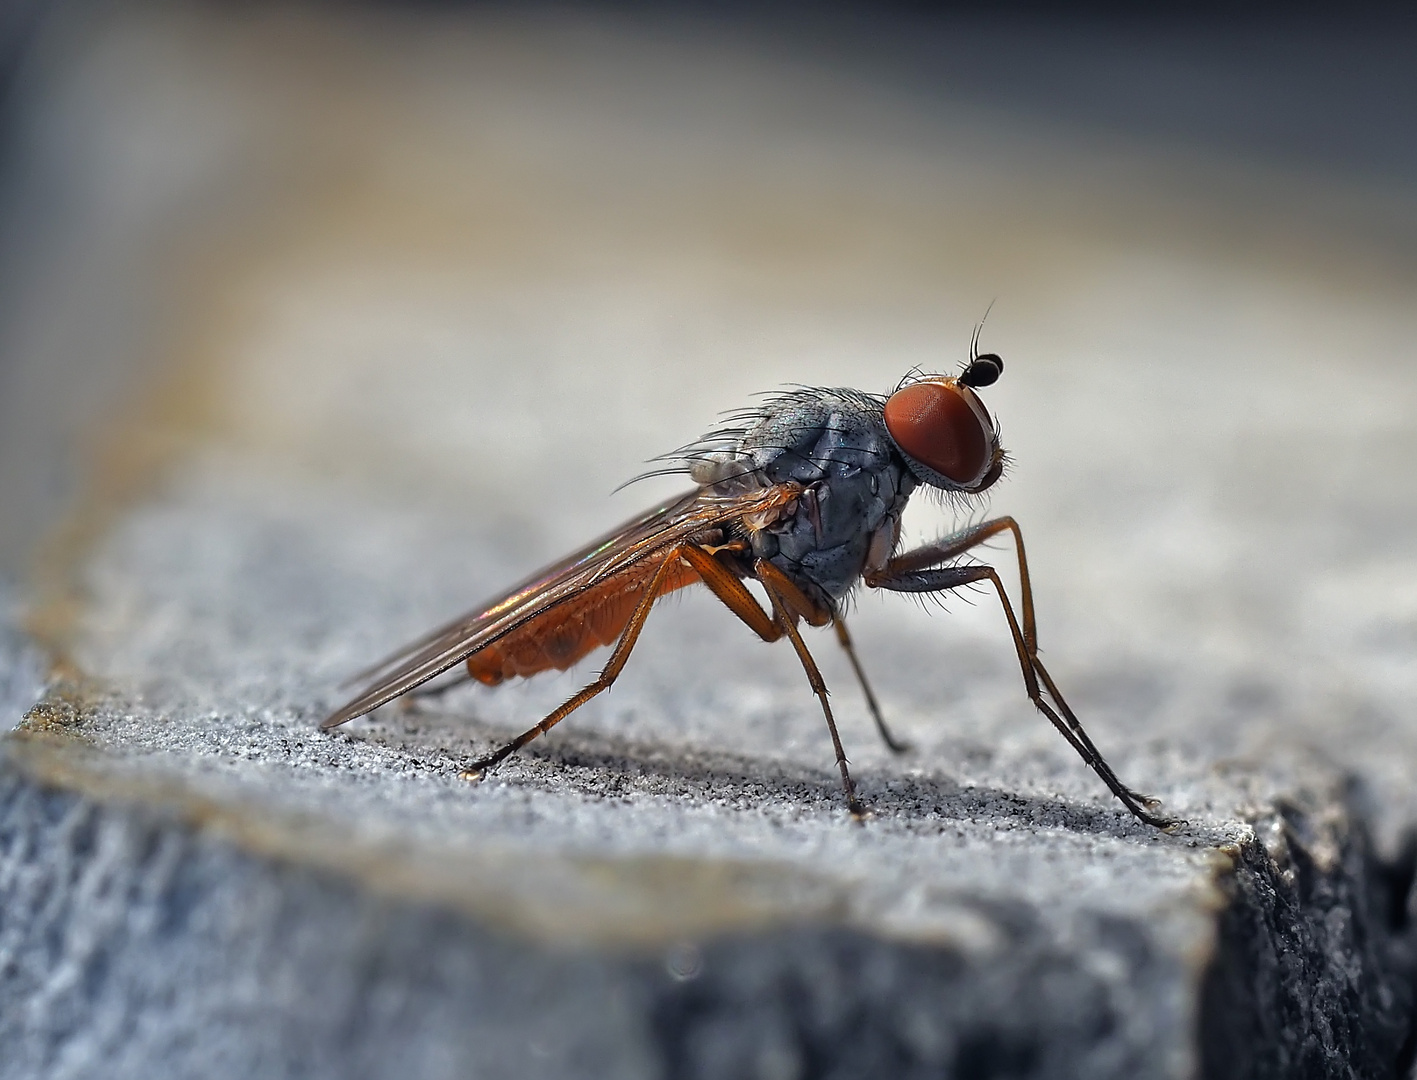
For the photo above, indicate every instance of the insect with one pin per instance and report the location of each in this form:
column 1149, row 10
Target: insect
column 804, row 495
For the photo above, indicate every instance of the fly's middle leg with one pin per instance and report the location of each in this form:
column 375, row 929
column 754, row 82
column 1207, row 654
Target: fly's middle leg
column 890, row 740
column 788, row 603
column 801, row 604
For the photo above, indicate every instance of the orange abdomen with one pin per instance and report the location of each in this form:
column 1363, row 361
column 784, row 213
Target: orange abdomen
column 560, row 637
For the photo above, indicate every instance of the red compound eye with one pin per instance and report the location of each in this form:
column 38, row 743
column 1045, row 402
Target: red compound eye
column 943, row 426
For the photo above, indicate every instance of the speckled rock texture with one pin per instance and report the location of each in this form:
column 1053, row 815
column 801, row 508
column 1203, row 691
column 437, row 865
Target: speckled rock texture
column 137, row 937
column 346, row 320
column 188, row 954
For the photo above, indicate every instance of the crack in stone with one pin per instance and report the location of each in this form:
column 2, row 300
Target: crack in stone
column 1312, row 975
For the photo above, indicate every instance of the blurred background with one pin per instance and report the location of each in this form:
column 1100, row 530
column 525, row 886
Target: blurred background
column 479, row 262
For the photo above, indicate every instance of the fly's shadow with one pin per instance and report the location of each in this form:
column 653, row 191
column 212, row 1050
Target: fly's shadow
column 598, row 766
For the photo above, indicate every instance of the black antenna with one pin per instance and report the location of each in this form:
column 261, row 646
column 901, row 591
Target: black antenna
column 982, row 370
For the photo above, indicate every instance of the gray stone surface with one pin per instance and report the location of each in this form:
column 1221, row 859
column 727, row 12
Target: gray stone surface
column 428, row 306
column 375, row 989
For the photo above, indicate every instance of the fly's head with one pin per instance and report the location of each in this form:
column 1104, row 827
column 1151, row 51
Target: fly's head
column 943, row 430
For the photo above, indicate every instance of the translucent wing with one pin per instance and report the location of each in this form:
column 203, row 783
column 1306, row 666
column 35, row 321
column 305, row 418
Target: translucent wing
column 609, row 566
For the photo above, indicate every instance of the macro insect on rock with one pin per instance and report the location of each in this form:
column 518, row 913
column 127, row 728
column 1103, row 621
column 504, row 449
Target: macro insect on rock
column 803, row 494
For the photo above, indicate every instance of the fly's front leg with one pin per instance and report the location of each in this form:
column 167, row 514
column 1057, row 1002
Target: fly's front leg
column 900, row 577
column 951, row 547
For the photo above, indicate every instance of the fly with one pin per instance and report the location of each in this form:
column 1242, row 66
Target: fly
column 803, row 495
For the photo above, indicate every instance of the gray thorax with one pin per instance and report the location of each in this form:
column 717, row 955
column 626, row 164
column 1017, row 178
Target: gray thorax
column 855, row 484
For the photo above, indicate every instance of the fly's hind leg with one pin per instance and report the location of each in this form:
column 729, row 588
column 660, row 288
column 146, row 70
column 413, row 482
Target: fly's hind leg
column 478, row 769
